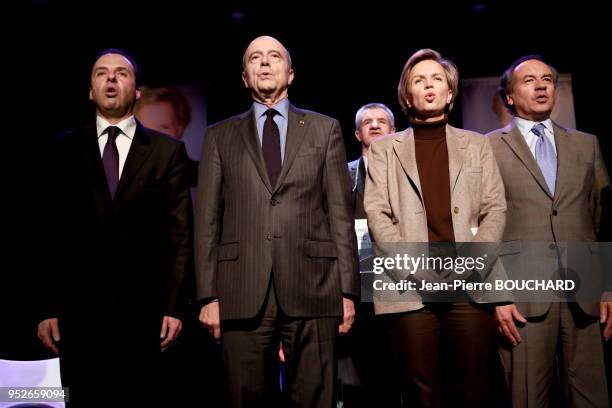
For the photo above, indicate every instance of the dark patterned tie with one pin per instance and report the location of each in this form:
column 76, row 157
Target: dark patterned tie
column 271, row 147
column 110, row 158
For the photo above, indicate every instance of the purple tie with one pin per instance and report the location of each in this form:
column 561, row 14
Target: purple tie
column 110, row 158
column 271, row 147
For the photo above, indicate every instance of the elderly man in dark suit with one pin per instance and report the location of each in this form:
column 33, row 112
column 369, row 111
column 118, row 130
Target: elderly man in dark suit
column 554, row 178
column 121, row 221
column 276, row 256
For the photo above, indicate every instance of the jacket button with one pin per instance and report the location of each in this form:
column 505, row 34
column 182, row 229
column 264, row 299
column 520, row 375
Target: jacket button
column 274, row 202
column 456, row 210
column 554, row 212
column 552, row 246
column 269, row 237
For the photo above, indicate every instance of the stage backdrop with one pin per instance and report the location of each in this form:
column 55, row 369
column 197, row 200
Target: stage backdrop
column 483, row 110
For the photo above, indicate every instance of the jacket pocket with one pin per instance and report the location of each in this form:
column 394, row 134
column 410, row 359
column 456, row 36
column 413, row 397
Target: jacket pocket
column 321, row 249
column 510, row 247
column 228, row 251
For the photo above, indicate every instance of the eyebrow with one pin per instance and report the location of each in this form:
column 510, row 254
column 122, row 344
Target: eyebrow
column 423, row 76
column 258, row 52
column 105, row 68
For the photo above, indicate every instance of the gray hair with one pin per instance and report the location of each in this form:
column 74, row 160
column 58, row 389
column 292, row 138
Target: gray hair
column 361, row 111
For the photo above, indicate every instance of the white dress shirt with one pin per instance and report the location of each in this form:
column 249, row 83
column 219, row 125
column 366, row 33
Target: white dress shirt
column 531, row 138
column 123, row 141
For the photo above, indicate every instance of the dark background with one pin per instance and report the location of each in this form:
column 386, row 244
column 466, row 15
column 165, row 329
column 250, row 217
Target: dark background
column 345, row 54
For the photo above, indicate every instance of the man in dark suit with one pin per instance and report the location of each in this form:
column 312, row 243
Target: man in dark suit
column 371, row 122
column 554, row 178
column 120, row 244
column 375, row 370
column 276, row 256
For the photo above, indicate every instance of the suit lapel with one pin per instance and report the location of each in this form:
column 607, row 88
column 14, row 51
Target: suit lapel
column 564, row 157
column 296, row 129
column 248, row 132
column 456, row 143
column 138, row 154
column 403, row 146
column 515, row 140
column 360, row 175
column 93, row 161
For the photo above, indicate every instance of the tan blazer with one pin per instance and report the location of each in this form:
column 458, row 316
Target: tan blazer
column 394, row 204
column 535, row 216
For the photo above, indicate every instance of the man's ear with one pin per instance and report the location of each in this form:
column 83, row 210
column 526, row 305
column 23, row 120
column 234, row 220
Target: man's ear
column 244, row 80
column 291, row 75
column 90, row 94
column 358, row 135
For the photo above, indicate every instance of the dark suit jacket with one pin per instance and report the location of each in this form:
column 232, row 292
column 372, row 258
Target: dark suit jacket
column 535, row 216
column 123, row 257
column 358, row 176
column 301, row 229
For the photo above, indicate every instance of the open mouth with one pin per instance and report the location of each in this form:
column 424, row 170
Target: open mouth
column 111, row 92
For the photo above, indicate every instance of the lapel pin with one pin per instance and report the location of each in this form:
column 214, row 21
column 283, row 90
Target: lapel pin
column 302, row 123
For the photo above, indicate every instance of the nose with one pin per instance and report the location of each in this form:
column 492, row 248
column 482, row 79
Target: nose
column 541, row 85
column 375, row 124
column 111, row 77
column 264, row 60
column 428, row 83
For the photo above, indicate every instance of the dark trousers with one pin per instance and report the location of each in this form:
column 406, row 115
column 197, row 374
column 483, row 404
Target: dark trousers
column 369, row 348
column 251, row 362
column 443, row 350
column 108, row 366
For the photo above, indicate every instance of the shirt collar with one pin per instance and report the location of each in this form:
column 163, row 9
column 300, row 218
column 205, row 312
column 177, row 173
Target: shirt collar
column 282, row 107
column 127, row 126
column 525, row 125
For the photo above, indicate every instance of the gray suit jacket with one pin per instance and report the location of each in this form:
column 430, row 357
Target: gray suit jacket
column 357, row 186
column 395, row 208
column 300, row 230
column 536, row 219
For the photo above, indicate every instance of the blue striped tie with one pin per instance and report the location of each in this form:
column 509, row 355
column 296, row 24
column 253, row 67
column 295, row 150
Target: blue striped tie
column 546, row 157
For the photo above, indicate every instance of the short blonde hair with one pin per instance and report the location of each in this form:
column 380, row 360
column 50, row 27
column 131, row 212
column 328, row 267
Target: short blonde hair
column 450, row 71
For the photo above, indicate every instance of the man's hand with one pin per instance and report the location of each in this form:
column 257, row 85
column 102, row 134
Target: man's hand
column 348, row 316
column 209, row 318
column 170, row 329
column 48, row 333
column 605, row 316
column 504, row 322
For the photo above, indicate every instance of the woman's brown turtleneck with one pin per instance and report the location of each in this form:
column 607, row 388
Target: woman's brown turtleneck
column 432, row 163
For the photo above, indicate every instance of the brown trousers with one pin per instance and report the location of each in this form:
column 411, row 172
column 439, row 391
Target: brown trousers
column 443, row 350
column 251, row 362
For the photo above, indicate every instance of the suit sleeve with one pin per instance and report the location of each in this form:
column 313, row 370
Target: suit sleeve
column 181, row 226
column 492, row 217
column 381, row 220
column 601, row 184
column 336, row 186
column 208, row 218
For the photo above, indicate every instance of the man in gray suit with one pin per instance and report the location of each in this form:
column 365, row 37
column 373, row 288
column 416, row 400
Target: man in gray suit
column 376, row 371
column 372, row 121
column 276, row 253
column 553, row 178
